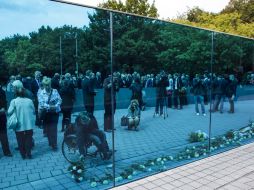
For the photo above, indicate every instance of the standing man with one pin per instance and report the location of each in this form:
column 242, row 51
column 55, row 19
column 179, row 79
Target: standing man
column 88, row 92
column 177, row 85
column 3, row 120
column 108, row 101
column 35, row 86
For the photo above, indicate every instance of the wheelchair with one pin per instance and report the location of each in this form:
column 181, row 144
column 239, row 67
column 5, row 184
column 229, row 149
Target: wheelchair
column 70, row 148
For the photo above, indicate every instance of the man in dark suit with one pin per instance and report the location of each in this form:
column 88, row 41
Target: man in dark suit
column 107, row 85
column 98, row 82
column 88, row 92
column 35, row 86
column 177, row 86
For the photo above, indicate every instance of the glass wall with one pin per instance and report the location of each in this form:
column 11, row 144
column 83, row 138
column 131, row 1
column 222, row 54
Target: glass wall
column 137, row 96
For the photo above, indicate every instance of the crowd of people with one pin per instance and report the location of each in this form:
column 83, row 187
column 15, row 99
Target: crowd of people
column 39, row 100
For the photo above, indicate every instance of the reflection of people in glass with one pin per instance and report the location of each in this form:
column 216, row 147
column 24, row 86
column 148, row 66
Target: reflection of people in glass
column 231, row 92
column 133, row 114
column 88, row 92
column 169, row 89
column 107, row 85
column 67, row 93
column 199, row 93
column 177, row 86
column 161, row 84
column 220, row 85
column 136, row 89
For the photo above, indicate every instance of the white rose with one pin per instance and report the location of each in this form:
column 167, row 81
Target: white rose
column 74, row 167
column 158, row 159
column 129, row 177
column 79, row 171
column 105, row 182
column 93, row 184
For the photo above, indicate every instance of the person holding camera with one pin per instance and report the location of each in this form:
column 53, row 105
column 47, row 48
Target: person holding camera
column 49, row 108
column 108, row 101
column 133, row 114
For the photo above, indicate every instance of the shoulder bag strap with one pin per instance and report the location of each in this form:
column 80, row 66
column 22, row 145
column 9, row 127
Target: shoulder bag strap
column 15, row 110
column 50, row 95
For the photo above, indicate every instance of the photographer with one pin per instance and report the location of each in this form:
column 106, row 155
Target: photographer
column 161, row 84
column 108, row 101
column 133, row 114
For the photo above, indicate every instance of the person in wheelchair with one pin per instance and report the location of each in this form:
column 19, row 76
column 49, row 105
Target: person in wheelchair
column 133, row 114
column 88, row 132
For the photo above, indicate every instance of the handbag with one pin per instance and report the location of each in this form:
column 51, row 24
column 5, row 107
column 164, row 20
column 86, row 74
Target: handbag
column 124, row 121
column 13, row 122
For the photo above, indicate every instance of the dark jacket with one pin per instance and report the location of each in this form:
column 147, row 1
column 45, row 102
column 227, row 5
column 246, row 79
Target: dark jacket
column 199, row 88
column 161, row 85
column 67, row 93
column 3, row 104
column 88, row 92
column 231, row 88
column 107, row 91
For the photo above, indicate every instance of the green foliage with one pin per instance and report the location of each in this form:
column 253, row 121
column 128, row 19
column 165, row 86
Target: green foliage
column 140, row 7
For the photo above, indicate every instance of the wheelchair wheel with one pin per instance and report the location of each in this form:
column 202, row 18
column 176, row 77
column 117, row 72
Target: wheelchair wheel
column 70, row 149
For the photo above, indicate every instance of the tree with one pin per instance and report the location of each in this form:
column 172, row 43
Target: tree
column 139, row 7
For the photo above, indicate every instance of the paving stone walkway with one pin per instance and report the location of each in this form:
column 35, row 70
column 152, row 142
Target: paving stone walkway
column 231, row 170
column 156, row 136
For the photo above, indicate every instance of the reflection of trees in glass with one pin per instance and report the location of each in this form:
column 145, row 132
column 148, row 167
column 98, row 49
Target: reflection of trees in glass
column 144, row 45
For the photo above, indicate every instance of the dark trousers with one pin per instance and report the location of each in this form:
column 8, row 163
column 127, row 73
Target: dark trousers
column 170, row 99
column 177, row 99
column 25, row 142
column 50, row 125
column 5, row 143
column 232, row 106
column 66, row 118
column 108, row 123
column 159, row 104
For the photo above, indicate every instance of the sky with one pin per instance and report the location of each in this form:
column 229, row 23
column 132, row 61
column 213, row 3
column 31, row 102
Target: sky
column 25, row 16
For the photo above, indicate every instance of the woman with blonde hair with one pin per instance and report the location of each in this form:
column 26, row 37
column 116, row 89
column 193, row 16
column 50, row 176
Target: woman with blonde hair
column 49, row 107
column 25, row 112
column 133, row 114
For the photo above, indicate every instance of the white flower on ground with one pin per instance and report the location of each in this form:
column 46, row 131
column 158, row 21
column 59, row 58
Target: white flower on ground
column 149, row 169
column 120, row 178
column 152, row 163
column 79, row 171
column 204, row 154
column 80, row 178
column 193, row 147
column 187, row 150
column 72, row 176
column 74, row 167
column 188, row 157
column 134, row 173
column 93, row 184
column 162, row 162
column 158, row 159
column 180, row 157
column 142, row 166
column 196, row 155
column 105, row 182
column 170, row 158
column 165, row 159
column 129, row 177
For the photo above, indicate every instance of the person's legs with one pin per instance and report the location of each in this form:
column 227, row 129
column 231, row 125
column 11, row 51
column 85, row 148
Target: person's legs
column 161, row 103
column 157, row 105
column 196, row 104
column 201, row 98
column 5, row 143
column 28, row 142
column 53, row 130
column 222, row 99
column 81, row 140
column 231, row 104
column 21, row 143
